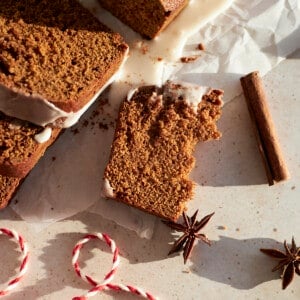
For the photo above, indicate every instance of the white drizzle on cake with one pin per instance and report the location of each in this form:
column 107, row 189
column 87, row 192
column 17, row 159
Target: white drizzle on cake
column 147, row 60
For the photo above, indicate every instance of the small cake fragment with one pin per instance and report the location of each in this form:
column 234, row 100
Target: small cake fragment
column 55, row 59
column 152, row 153
column 148, row 18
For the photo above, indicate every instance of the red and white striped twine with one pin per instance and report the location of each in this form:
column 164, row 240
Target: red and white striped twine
column 24, row 264
column 105, row 284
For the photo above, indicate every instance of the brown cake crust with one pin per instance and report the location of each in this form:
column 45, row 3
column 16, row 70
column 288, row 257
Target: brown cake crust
column 148, row 18
column 151, row 155
column 56, row 49
column 19, row 150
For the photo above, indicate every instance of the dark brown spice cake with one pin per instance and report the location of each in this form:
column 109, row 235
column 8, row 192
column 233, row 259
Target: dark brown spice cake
column 148, row 18
column 151, row 155
column 56, row 49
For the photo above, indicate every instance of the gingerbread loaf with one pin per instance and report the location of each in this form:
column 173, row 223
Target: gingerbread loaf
column 148, row 18
column 152, row 151
column 55, row 59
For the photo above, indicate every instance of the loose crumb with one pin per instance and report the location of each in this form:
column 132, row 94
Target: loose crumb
column 159, row 58
column 144, row 48
column 95, row 114
column 103, row 126
column 75, row 131
column 201, row 47
column 221, row 227
column 53, row 158
column 85, row 123
column 188, row 59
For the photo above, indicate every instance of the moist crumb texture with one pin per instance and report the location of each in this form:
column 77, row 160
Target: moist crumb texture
column 8, row 186
column 152, row 152
column 56, row 49
column 148, row 18
column 19, row 150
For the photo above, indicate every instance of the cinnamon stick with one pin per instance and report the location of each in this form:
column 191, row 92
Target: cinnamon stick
column 268, row 144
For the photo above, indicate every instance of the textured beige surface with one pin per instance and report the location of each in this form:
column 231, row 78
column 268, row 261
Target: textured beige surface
column 234, row 186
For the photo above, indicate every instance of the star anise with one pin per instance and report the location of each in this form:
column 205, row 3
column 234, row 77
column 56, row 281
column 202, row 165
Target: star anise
column 190, row 228
column 288, row 261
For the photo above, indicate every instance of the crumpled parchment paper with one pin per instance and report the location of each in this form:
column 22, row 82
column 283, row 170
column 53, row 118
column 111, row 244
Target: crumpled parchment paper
column 250, row 35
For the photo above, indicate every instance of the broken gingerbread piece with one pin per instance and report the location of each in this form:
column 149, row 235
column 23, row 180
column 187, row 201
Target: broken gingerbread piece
column 152, row 153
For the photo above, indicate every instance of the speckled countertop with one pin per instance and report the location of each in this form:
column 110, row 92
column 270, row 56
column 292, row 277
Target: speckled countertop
column 248, row 215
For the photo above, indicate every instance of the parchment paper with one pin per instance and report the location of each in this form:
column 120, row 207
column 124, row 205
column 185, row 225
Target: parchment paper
column 251, row 35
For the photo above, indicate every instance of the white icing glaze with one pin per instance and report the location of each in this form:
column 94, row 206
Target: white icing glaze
column 192, row 94
column 147, row 61
column 145, row 65
column 43, row 136
column 107, row 189
column 35, row 109
column 130, row 93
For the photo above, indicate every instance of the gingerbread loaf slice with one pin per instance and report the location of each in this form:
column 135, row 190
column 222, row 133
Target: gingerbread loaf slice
column 148, row 18
column 152, row 152
column 55, row 59
column 22, row 144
